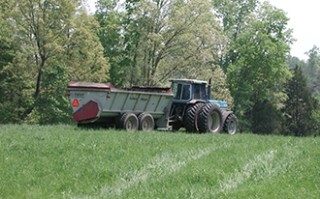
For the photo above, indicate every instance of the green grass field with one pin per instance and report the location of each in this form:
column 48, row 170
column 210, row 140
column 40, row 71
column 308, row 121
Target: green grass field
column 67, row 162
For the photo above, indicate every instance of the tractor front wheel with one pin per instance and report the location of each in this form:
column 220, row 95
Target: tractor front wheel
column 230, row 125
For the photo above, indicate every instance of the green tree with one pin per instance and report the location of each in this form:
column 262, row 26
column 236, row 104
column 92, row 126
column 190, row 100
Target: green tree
column 6, row 45
column 235, row 16
column 110, row 32
column 312, row 70
column 54, row 43
column 160, row 39
column 12, row 86
column 84, row 52
column 219, row 87
column 295, row 61
column 299, row 107
column 259, row 70
column 266, row 119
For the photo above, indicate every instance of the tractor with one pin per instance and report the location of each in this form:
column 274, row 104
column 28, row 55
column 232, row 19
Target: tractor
column 193, row 108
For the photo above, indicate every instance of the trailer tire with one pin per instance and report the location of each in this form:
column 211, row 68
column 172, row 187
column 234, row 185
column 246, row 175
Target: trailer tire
column 191, row 117
column 210, row 119
column 230, row 125
column 129, row 122
column 146, row 122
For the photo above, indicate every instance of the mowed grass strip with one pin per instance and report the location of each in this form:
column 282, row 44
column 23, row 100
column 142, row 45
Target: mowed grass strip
column 68, row 162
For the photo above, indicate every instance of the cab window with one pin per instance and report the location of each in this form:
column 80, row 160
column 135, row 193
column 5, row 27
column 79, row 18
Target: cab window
column 176, row 90
column 197, row 91
column 186, row 92
column 181, row 91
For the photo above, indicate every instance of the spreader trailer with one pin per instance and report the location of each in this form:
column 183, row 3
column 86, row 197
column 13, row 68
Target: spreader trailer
column 185, row 104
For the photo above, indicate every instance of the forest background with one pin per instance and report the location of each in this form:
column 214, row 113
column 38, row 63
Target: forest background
column 244, row 46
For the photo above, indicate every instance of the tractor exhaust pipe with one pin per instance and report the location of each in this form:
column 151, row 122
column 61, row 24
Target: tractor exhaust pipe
column 209, row 89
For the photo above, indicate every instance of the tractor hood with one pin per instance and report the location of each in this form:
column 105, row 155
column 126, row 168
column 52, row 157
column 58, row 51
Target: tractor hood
column 221, row 103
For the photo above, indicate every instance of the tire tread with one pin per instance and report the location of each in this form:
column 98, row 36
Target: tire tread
column 190, row 119
column 204, row 115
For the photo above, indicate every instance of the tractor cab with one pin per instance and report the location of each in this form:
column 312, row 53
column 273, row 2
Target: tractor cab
column 186, row 92
column 190, row 91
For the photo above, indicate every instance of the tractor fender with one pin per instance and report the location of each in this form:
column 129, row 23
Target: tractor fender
column 225, row 114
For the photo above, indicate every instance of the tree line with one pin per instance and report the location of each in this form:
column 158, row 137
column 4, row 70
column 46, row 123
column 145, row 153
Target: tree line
column 242, row 45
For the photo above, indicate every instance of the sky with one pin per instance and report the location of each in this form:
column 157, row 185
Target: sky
column 304, row 16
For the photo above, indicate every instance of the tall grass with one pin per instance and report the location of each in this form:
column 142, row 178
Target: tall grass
column 68, row 162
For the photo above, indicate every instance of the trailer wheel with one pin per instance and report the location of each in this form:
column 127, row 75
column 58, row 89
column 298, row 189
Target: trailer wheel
column 146, row 122
column 210, row 119
column 191, row 117
column 230, row 125
column 129, row 122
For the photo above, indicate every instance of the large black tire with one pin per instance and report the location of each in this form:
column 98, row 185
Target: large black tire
column 146, row 122
column 210, row 119
column 191, row 117
column 129, row 122
column 230, row 125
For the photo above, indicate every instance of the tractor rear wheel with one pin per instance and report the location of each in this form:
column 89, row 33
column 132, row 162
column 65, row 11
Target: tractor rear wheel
column 210, row 119
column 129, row 122
column 230, row 125
column 191, row 117
column 146, row 122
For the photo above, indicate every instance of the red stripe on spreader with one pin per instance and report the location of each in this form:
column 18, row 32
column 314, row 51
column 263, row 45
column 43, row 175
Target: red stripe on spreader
column 87, row 112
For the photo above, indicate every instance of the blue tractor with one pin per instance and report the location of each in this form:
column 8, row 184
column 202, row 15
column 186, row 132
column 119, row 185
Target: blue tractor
column 193, row 109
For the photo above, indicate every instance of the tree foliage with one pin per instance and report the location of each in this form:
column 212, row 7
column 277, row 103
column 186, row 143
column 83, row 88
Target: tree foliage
column 158, row 40
column 299, row 106
column 266, row 119
column 255, row 59
column 51, row 46
column 234, row 15
column 12, row 86
column 312, row 70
